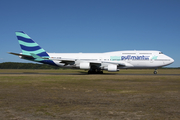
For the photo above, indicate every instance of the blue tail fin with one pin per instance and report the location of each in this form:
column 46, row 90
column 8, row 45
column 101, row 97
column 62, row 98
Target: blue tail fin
column 30, row 47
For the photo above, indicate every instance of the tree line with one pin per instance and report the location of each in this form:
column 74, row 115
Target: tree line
column 16, row 65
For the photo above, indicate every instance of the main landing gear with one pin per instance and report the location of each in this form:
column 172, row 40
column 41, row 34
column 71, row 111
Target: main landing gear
column 155, row 71
column 95, row 71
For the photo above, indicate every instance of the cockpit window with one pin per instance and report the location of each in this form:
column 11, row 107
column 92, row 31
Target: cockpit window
column 160, row 53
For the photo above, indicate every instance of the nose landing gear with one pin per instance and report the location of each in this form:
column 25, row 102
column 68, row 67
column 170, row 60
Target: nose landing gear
column 155, row 71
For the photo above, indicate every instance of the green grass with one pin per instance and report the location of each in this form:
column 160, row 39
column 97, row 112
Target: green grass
column 34, row 96
column 122, row 71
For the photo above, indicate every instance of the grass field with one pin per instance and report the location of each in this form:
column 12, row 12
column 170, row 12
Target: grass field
column 89, row 97
column 122, row 71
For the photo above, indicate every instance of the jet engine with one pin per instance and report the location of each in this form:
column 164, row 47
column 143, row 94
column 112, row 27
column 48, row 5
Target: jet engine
column 85, row 66
column 112, row 68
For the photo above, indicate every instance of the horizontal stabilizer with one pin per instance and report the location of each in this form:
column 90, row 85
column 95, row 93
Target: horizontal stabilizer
column 21, row 55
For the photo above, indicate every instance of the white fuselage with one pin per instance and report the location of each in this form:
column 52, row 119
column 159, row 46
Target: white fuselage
column 123, row 59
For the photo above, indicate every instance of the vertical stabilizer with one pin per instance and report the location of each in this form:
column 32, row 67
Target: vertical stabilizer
column 29, row 46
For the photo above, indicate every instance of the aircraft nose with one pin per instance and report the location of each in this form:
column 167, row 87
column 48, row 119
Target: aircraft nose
column 172, row 60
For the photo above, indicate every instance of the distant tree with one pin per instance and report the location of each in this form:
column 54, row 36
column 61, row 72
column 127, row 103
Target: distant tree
column 15, row 65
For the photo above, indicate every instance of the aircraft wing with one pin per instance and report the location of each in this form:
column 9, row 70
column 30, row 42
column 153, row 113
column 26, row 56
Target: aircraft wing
column 114, row 63
column 68, row 61
column 118, row 64
column 21, row 55
column 63, row 60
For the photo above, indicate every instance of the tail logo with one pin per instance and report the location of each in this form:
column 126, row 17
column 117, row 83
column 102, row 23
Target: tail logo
column 30, row 47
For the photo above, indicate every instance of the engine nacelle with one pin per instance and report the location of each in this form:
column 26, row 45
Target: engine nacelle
column 84, row 66
column 112, row 68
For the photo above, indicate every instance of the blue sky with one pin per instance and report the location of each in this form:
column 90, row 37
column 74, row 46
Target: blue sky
column 91, row 26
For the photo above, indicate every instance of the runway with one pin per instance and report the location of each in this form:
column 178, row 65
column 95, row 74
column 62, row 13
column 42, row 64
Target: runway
column 83, row 73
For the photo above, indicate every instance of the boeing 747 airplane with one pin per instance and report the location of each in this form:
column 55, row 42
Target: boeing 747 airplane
column 93, row 62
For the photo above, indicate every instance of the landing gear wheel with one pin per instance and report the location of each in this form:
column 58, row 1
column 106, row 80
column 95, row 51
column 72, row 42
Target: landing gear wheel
column 92, row 71
column 89, row 72
column 155, row 72
column 99, row 72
